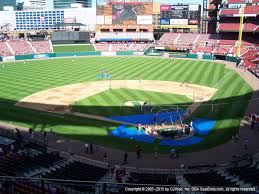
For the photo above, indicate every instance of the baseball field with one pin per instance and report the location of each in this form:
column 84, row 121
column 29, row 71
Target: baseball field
column 21, row 80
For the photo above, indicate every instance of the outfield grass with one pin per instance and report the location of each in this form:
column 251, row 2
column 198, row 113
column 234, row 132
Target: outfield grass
column 19, row 80
column 73, row 48
column 112, row 102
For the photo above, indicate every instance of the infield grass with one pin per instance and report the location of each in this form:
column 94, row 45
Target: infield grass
column 112, row 102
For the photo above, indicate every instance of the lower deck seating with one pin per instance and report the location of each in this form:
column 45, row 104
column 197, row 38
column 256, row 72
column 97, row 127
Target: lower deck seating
column 77, row 171
column 248, row 174
column 114, row 47
column 208, row 179
column 163, row 179
column 4, row 50
column 16, row 165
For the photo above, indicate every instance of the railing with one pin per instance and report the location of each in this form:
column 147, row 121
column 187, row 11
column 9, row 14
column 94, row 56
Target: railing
column 24, row 138
column 14, row 185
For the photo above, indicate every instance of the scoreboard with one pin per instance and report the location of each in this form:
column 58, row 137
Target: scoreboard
column 124, row 12
column 180, row 15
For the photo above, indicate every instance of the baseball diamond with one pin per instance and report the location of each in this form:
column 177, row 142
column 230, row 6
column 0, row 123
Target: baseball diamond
column 39, row 82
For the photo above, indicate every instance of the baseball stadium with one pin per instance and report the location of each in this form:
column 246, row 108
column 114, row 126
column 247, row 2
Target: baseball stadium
column 129, row 96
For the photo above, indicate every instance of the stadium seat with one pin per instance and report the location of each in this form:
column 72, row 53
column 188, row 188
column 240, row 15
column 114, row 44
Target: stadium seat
column 203, row 49
column 234, row 27
column 228, row 12
column 78, row 171
column 168, row 39
column 227, row 42
column 4, row 50
column 247, row 173
column 41, row 46
column 21, row 47
column 254, row 9
column 187, row 40
column 145, row 178
column 208, row 179
column 114, row 47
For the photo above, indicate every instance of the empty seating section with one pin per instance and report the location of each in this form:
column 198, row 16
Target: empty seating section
column 168, row 39
column 228, row 27
column 248, row 53
column 226, row 12
column 250, row 27
column 127, row 36
column 77, row 171
column 203, row 49
column 208, row 43
column 222, row 50
column 252, row 9
column 17, row 165
column 163, row 179
column 41, row 46
column 227, row 42
column 208, row 179
column 26, row 188
column 187, row 39
column 242, row 50
column 114, row 47
column 251, row 61
column 248, row 10
column 234, row 27
column 248, row 174
column 4, row 50
column 206, row 40
column 21, row 47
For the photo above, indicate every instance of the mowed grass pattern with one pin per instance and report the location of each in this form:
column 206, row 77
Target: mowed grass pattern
column 112, row 102
column 73, row 48
column 19, row 80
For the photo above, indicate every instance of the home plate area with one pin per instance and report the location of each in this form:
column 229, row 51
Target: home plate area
column 200, row 128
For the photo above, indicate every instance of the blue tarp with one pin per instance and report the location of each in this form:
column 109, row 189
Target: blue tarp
column 147, row 119
column 132, row 133
column 203, row 126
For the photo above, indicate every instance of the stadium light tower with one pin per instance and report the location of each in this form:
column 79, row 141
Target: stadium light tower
column 241, row 26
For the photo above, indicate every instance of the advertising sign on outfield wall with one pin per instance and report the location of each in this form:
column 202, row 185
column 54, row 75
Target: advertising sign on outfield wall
column 41, row 56
column 9, row 58
column 193, row 22
column 165, row 8
column 108, row 53
column 179, row 21
column 144, row 19
column 164, row 21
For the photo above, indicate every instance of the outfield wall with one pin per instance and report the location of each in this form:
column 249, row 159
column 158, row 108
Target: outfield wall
column 99, row 53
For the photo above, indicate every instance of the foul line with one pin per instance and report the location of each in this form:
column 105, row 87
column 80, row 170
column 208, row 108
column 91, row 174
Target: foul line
column 221, row 80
